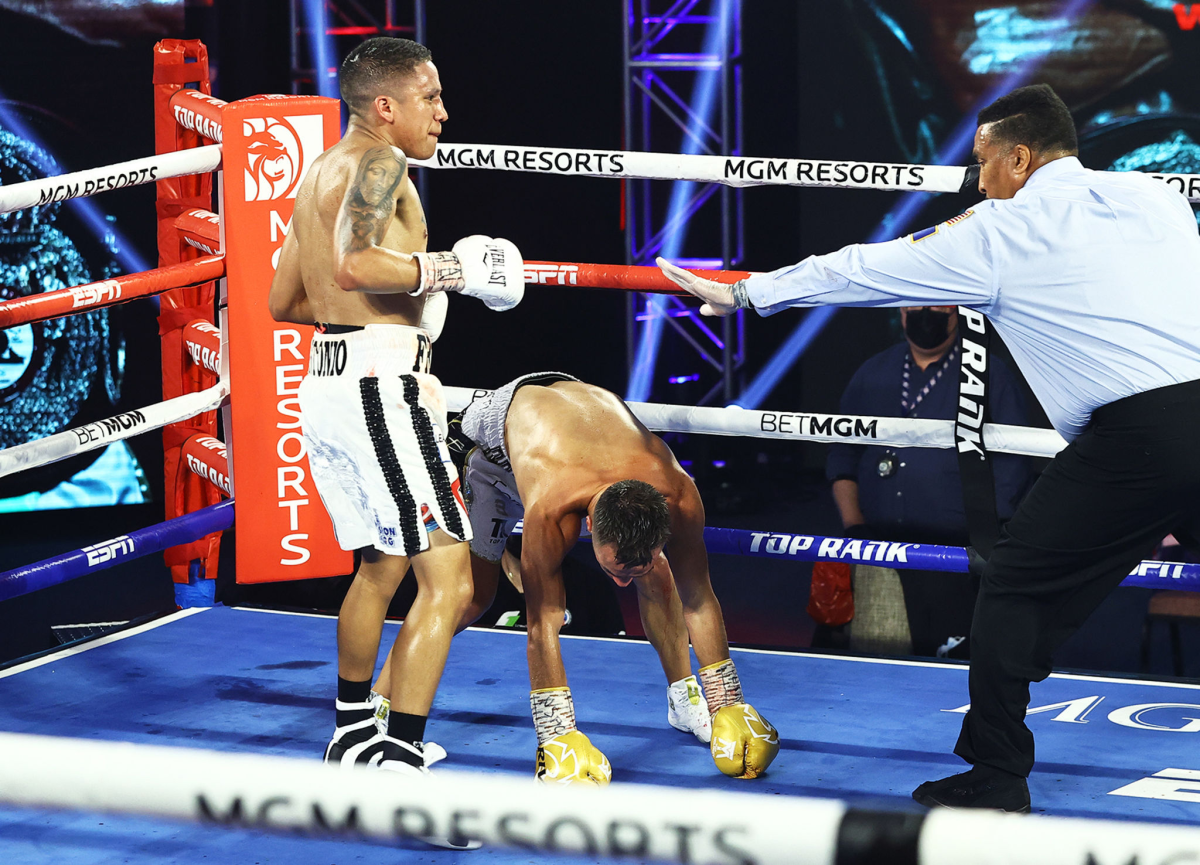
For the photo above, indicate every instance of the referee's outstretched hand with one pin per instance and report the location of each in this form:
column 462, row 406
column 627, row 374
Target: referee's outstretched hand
column 717, row 296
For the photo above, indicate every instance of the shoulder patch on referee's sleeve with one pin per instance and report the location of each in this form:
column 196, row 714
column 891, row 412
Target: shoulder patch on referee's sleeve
column 917, row 236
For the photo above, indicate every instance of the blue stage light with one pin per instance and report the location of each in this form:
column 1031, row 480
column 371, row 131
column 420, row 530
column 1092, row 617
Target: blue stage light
column 102, row 225
column 702, row 103
column 901, row 216
column 320, row 48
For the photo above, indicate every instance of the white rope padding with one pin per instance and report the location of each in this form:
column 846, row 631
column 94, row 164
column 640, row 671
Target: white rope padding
column 954, row 837
column 90, row 436
column 829, row 428
column 667, row 824
column 286, row 794
column 730, row 170
column 80, row 184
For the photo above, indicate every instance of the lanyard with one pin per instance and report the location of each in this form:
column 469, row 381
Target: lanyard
column 910, row 404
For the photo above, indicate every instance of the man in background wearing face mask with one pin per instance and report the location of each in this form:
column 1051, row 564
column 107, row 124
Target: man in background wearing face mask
column 914, row 494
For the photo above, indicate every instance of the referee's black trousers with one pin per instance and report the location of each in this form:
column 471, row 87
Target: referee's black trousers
column 1132, row 477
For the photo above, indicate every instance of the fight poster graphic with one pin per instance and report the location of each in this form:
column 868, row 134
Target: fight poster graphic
column 270, row 142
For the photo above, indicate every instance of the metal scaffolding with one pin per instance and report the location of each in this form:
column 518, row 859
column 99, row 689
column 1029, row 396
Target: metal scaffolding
column 674, row 48
column 348, row 22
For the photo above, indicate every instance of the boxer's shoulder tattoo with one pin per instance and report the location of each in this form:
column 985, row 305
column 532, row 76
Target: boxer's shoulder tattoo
column 371, row 199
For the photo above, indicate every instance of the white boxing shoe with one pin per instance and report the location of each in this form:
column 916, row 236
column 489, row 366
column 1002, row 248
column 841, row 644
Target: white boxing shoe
column 434, row 753
column 687, row 710
column 408, row 770
column 382, row 706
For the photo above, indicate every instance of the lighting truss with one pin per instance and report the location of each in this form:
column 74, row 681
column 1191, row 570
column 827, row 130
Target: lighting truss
column 675, row 51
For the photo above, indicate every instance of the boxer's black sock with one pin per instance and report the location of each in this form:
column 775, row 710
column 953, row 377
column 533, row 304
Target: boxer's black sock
column 410, row 729
column 353, row 692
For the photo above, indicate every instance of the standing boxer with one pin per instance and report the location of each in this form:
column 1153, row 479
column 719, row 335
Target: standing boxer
column 374, row 419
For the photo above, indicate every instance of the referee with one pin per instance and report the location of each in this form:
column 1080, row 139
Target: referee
column 1090, row 277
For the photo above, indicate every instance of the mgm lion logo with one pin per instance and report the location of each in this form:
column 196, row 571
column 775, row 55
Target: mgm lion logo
column 279, row 150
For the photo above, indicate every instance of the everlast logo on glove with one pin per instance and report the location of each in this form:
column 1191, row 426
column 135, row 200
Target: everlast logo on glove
column 488, row 268
column 497, row 274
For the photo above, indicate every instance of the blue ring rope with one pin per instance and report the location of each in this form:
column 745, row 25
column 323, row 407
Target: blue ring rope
column 143, row 542
column 738, row 542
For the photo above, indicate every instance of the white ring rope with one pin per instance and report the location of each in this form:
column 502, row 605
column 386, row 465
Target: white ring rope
column 286, row 794
column 667, row 824
column 730, row 170
column 830, row 428
column 79, row 184
column 90, row 436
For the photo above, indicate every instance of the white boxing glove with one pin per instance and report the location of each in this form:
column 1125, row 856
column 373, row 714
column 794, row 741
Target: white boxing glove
column 433, row 316
column 478, row 266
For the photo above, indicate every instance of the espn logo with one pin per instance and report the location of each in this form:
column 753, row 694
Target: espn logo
column 551, row 274
column 109, row 550
column 94, row 293
column 1187, row 16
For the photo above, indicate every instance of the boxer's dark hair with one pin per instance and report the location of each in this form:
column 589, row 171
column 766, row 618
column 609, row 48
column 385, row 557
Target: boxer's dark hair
column 370, row 67
column 633, row 516
column 1033, row 116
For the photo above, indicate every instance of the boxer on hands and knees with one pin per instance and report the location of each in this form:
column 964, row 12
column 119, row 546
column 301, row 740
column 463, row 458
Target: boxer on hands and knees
column 374, row 419
column 564, row 455
column 1089, row 277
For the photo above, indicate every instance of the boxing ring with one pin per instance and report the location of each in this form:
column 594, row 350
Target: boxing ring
column 116, row 723
column 252, row 683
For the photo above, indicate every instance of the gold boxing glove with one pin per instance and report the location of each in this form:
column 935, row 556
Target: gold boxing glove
column 743, row 742
column 571, row 759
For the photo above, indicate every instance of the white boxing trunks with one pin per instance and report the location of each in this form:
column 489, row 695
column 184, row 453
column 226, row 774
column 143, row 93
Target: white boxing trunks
column 491, row 491
column 374, row 423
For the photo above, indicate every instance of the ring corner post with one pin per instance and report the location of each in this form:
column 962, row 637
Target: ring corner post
column 284, row 532
column 177, row 64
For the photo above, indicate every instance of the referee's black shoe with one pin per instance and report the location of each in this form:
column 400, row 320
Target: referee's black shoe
column 981, row 787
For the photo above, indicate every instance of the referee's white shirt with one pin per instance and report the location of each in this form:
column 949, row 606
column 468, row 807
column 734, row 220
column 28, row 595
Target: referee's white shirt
column 1092, row 278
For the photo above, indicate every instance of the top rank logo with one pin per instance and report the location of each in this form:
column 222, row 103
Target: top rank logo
column 279, row 153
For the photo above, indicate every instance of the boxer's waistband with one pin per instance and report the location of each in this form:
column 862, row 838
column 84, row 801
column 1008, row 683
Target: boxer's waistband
column 356, row 351
column 334, row 329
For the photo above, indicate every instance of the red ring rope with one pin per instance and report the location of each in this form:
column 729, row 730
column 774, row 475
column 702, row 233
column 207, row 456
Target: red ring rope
column 110, row 292
column 620, row 276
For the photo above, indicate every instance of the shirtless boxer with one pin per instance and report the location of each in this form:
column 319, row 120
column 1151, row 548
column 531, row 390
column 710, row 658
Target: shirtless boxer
column 575, row 455
column 374, row 420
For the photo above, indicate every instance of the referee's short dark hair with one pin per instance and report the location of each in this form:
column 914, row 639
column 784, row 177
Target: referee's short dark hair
column 1033, row 116
column 633, row 516
column 374, row 65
